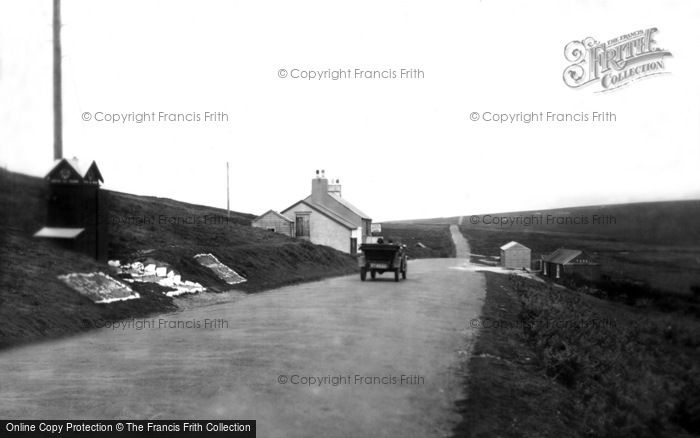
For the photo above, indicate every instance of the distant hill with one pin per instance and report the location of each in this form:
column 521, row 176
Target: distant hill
column 35, row 304
column 664, row 222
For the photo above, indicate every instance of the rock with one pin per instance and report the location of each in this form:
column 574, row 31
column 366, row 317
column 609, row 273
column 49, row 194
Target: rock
column 167, row 282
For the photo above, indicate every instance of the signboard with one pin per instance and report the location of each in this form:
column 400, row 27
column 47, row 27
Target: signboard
column 376, row 228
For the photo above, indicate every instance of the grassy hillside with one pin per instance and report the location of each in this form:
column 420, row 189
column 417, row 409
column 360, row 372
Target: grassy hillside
column 34, row 304
column 265, row 258
column 428, row 221
column 550, row 362
column 663, row 222
column 658, row 223
column 618, row 358
column 421, row 240
column 656, row 244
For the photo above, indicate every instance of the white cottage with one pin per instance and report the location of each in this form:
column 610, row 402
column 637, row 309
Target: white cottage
column 323, row 218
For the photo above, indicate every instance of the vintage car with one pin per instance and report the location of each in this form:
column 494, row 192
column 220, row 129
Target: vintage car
column 378, row 258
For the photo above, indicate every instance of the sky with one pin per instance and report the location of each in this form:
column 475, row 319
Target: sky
column 402, row 148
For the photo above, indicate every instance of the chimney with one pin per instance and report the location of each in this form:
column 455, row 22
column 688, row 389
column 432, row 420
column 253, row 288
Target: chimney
column 334, row 188
column 319, row 187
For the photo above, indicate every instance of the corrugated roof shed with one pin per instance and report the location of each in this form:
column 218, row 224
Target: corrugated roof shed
column 562, row 256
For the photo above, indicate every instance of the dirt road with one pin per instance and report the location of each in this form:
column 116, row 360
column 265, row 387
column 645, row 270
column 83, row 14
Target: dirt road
column 254, row 360
column 461, row 245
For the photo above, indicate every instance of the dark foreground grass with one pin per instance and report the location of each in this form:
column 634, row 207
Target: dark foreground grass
column 552, row 362
column 35, row 304
column 421, row 240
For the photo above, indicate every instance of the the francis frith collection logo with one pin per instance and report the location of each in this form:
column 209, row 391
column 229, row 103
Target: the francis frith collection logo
column 616, row 62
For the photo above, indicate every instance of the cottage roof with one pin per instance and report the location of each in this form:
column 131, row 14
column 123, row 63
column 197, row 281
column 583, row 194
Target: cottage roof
column 275, row 214
column 347, row 204
column 340, row 207
column 326, row 212
column 562, row 256
column 332, row 205
column 513, row 244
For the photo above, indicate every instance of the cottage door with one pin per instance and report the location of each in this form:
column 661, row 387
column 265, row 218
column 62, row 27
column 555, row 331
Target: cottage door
column 303, row 225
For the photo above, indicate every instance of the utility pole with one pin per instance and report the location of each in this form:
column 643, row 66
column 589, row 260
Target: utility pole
column 57, row 99
column 228, row 207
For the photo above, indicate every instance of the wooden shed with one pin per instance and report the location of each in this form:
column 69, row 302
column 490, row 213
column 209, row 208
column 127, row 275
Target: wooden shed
column 515, row 256
column 273, row 221
column 570, row 262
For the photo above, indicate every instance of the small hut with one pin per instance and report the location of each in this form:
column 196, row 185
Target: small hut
column 515, row 256
column 77, row 208
column 273, row 221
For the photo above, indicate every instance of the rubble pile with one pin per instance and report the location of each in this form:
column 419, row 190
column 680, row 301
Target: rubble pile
column 156, row 273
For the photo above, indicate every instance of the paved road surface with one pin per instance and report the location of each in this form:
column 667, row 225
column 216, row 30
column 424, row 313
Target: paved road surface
column 337, row 327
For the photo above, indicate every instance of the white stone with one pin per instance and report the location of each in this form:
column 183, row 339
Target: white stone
column 167, row 282
column 161, row 271
column 150, row 269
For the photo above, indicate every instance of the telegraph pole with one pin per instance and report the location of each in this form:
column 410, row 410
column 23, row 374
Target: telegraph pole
column 57, row 99
column 228, row 209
